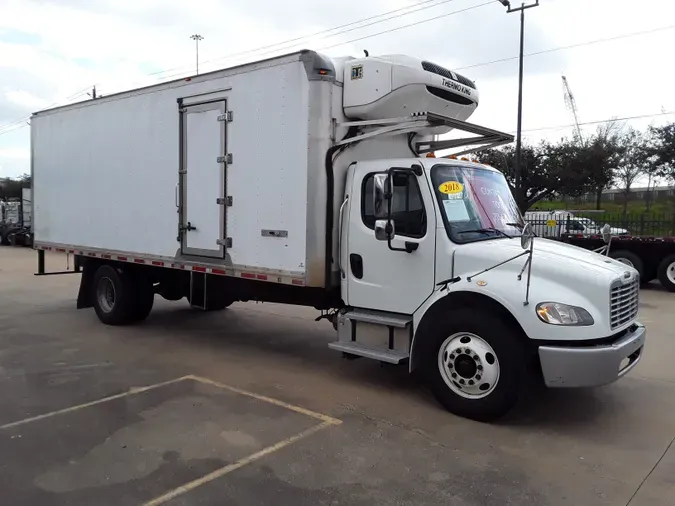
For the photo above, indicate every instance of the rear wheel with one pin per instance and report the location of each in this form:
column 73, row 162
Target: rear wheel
column 667, row 273
column 475, row 365
column 113, row 296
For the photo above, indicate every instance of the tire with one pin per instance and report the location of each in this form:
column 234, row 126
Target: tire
column 145, row 298
column 113, row 296
column 649, row 275
column 631, row 259
column 666, row 273
column 496, row 359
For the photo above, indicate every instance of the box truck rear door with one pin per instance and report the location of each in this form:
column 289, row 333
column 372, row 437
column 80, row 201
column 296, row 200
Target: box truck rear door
column 203, row 164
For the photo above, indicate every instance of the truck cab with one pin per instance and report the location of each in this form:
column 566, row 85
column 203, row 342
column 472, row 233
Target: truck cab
column 438, row 270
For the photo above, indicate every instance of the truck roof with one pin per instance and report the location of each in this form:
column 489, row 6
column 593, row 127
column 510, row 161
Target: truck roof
column 306, row 55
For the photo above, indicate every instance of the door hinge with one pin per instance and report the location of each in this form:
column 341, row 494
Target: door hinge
column 227, row 117
column 227, row 201
column 225, row 159
column 227, row 242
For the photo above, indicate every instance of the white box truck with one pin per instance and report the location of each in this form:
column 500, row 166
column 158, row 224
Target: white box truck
column 308, row 180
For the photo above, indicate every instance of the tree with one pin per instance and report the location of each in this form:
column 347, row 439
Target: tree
column 547, row 169
column 663, row 150
column 11, row 188
column 634, row 162
column 600, row 156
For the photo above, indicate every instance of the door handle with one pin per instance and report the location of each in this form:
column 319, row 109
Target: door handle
column 188, row 227
column 175, row 195
column 356, row 264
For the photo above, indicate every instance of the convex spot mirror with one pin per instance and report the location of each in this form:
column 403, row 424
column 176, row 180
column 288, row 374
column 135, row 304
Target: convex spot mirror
column 526, row 237
column 606, row 232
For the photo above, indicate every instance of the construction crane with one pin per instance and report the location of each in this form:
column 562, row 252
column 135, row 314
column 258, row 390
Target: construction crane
column 572, row 105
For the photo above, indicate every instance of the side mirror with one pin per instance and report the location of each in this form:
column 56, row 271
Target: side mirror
column 384, row 230
column 606, row 232
column 381, row 195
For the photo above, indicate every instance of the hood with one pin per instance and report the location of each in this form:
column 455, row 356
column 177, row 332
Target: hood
column 548, row 256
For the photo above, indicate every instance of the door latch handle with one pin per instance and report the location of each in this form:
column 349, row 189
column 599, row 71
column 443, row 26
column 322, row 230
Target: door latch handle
column 188, row 227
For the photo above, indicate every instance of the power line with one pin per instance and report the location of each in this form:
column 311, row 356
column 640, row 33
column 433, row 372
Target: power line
column 379, row 33
column 571, row 46
column 599, row 122
column 17, row 123
column 20, row 123
column 410, row 8
column 408, row 25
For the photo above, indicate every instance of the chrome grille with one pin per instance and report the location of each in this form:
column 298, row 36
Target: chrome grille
column 624, row 302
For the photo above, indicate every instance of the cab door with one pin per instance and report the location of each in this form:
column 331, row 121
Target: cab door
column 378, row 275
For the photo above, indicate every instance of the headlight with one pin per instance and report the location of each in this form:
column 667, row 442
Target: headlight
column 556, row 313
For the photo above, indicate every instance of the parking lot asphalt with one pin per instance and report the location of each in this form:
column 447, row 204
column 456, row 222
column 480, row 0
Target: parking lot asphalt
column 248, row 406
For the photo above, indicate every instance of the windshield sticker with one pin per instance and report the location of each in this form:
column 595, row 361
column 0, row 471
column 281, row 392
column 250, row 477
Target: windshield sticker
column 455, row 210
column 451, row 187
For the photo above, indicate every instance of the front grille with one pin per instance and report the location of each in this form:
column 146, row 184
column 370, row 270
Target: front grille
column 624, row 302
column 437, row 69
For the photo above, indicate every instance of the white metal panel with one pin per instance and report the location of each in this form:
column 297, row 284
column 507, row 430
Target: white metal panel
column 204, row 183
column 106, row 171
column 393, row 281
column 268, row 177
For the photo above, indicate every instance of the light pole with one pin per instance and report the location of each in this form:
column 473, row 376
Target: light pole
column 196, row 37
column 521, row 9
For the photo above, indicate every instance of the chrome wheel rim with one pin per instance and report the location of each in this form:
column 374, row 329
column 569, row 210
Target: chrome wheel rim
column 670, row 272
column 105, row 294
column 468, row 365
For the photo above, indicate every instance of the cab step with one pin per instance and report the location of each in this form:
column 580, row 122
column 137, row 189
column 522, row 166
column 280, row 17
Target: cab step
column 372, row 352
column 377, row 335
column 379, row 318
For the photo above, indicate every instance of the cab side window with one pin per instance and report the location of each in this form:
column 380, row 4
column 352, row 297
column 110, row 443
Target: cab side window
column 407, row 206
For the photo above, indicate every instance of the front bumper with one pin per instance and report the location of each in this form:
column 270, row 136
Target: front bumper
column 593, row 365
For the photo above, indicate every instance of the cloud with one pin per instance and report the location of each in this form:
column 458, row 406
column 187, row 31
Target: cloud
column 54, row 51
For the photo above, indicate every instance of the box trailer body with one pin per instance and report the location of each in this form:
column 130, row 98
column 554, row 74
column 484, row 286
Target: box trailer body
column 308, row 180
column 113, row 176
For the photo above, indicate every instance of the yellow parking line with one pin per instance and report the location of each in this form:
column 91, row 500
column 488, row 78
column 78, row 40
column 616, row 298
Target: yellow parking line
column 246, row 460
column 276, row 402
column 131, row 391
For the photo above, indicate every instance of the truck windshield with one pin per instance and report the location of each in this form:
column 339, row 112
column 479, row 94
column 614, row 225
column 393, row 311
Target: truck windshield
column 476, row 203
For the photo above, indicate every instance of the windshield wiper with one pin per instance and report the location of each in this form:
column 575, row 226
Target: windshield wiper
column 519, row 226
column 486, row 231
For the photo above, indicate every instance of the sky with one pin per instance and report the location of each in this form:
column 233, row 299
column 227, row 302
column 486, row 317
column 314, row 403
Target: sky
column 52, row 52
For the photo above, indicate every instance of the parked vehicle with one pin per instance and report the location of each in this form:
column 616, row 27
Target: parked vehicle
column 15, row 221
column 303, row 180
column 553, row 224
column 652, row 257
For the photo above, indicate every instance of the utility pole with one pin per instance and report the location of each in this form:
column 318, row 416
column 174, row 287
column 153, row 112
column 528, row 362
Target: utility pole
column 93, row 92
column 196, row 37
column 519, row 128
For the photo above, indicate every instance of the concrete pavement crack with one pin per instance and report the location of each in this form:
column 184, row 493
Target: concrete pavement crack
column 651, row 471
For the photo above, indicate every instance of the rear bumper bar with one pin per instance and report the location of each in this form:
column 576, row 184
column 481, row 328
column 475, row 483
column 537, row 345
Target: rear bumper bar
column 594, row 365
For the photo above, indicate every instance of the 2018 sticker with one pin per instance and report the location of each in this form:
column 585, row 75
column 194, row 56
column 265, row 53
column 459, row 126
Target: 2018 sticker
column 451, row 187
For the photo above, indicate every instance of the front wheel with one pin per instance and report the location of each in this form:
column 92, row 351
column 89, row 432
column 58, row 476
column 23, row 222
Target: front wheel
column 475, row 365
